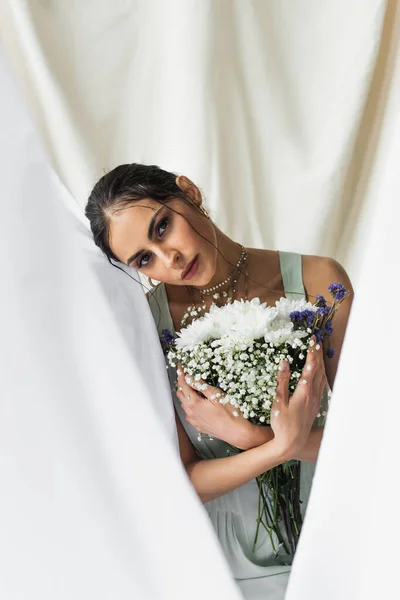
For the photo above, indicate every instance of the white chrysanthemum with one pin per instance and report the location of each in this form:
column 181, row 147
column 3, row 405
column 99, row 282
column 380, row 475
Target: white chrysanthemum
column 281, row 331
column 251, row 324
column 222, row 318
column 199, row 331
column 285, row 306
column 225, row 317
column 241, row 320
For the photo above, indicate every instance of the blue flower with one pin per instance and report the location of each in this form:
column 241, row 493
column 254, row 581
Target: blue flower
column 328, row 329
column 320, row 300
column 340, row 294
column 167, row 336
column 304, row 315
column 318, row 334
column 338, row 291
column 330, row 353
column 323, row 311
column 309, row 316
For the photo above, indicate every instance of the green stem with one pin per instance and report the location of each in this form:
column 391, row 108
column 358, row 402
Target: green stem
column 272, row 522
column 258, row 519
column 283, row 484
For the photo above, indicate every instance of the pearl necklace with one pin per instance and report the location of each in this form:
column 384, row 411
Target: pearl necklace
column 194, row 311
column 235, row 271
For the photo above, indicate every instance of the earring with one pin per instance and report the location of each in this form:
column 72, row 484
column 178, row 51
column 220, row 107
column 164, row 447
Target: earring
column 151, row 282
column 204, row 211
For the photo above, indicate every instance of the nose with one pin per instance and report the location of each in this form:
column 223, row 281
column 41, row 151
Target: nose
column 170, row 258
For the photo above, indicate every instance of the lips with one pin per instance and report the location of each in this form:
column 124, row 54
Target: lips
column 190, row 270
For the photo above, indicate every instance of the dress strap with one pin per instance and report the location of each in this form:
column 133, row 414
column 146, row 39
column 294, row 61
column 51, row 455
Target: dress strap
column 292, row 275
column 158, row 302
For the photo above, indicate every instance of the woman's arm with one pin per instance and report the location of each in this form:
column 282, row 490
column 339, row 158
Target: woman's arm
column 291, row 422
column 217, row 420
column 251, row 436
column 218, row 476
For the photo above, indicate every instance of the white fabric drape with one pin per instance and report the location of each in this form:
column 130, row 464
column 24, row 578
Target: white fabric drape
column 268, row 106
column 94, row 502
column 349, row 544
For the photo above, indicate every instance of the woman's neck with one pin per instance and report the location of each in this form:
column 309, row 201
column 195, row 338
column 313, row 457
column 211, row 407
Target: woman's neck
column 228, row 254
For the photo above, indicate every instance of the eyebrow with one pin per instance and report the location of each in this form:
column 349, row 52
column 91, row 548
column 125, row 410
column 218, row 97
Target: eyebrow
column 150, row 231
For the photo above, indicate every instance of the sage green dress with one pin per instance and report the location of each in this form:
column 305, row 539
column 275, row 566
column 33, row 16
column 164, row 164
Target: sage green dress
column 259, row 574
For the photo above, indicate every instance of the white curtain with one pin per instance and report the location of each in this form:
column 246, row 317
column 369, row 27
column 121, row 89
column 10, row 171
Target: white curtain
column 269, row 106
column 286, row 114
column 94, row 502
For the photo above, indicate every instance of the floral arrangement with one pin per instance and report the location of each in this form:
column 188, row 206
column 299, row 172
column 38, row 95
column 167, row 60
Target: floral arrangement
column 237, row 348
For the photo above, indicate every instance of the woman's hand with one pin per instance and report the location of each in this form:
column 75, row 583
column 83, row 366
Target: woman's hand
column 292, row 418
column 209, row 416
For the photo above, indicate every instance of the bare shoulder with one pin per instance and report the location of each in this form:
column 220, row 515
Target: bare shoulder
column 318, row 274
column 320, row 271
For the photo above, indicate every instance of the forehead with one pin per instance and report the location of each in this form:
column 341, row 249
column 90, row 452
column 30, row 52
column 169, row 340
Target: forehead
column 129, row 226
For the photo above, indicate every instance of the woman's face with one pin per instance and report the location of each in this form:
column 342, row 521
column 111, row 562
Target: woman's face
column 166, row 242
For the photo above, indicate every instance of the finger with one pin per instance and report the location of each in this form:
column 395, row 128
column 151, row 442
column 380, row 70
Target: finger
column 322, row 386
column 181, row 389
column 190, row 408
column 181, row 378
column 320, row 374
column 322, row 380
column 181, row 397
column 213, row 394
column 187, row 393
column 197, row 384
column 183, row 383
column 282, row 387
column 216, row 395
column 319, row 350
column 310, row 367
column 319, row 381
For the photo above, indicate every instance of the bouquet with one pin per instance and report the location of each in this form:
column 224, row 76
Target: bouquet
column 238, row 348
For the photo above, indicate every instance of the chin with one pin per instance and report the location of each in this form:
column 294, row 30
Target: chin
column 203, row 281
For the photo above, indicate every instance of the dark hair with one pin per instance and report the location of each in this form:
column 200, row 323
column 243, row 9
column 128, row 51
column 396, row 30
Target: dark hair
column 125, row 185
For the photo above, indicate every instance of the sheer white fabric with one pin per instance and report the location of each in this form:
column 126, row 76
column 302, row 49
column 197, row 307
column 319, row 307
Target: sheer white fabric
column 94, row 502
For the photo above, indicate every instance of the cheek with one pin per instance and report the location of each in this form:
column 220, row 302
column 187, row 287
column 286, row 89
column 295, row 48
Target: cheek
column 200, row 236
column 159, row 272
column 186, row 238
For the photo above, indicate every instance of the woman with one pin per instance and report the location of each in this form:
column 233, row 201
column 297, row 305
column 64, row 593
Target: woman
column 151, row 220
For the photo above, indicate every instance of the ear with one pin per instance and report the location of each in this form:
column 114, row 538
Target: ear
column 190, row 189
